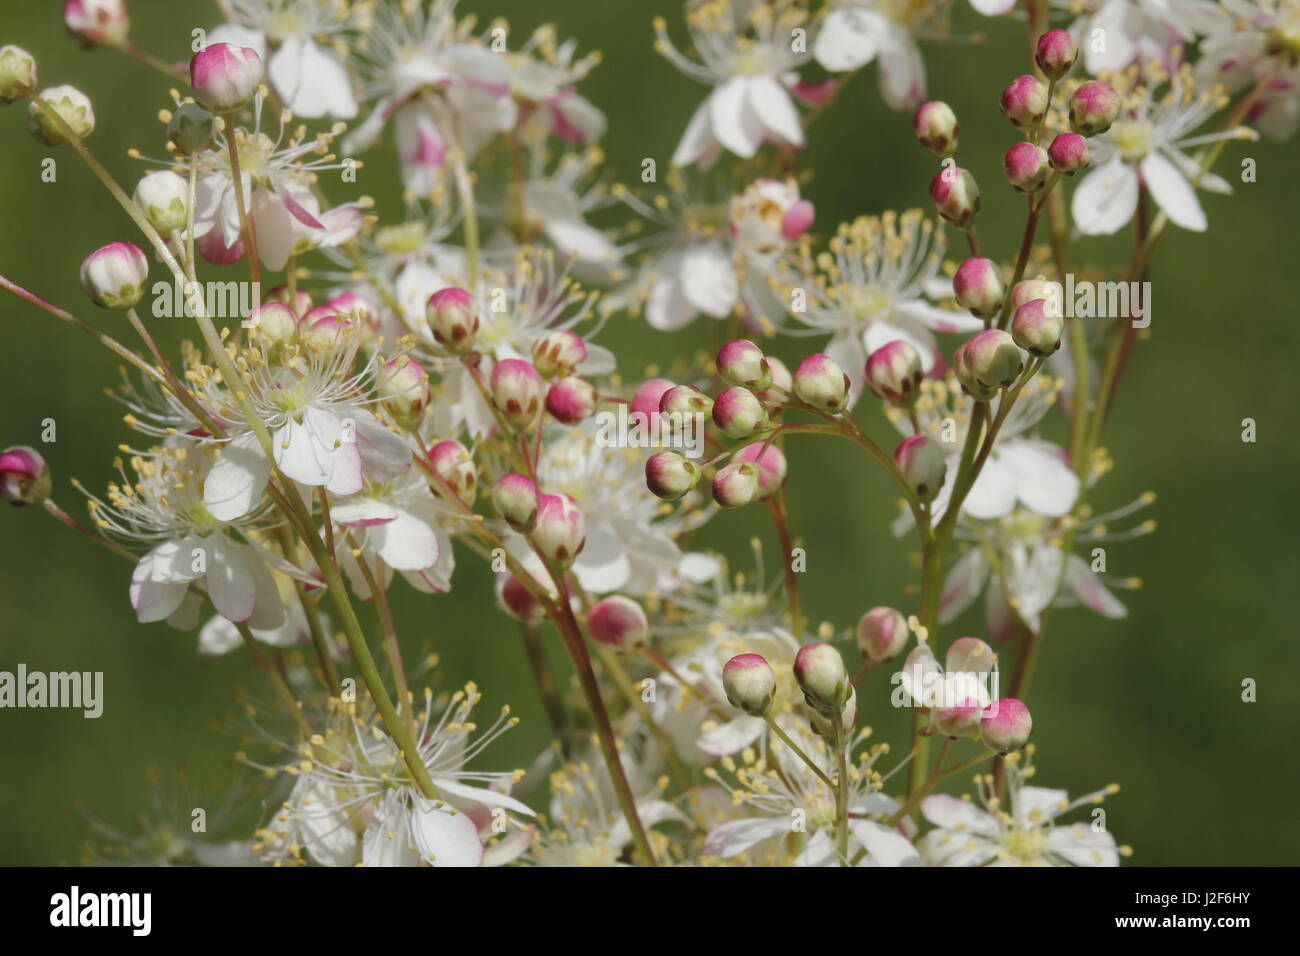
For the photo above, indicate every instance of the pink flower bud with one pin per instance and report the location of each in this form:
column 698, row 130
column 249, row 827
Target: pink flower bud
column 1006, row 725
column 647, row 397
column 1024, row 102
column 782, row 388
column 273, row 323
column 1026, row 166
column 322, row 330
column 956, row 196
column 452, row 320
column 882, row 634
column 515, row 498
column 404, row 386
column 1037, row 328
column 749, row 683
column 1055, row 53
column 517, row 392
column 894, row 373
column 819, row 382
column 820, row 671
column 17, row 73
column 685, row 400
column 1093, row 107
column 993, row 359
column 978, row 287
column 518, row 601
column 670, row 474
column 961, row 719
column 455, row 466
column 353, row 307
column 225, row 77
column 299, row 302
column 1068, row 153
column 736, row 484
column 797, row 220
column 738, row 412
column 741, row 362
column 24, row 476
column 571, row 399
column 559, row 353
column 114, row 276
column 618, row 622
column 561, row 531
column 771, row 466
column 935, row 125
column 71, row 105
column 1038, row 288
column 212, row 246
column 922, row 462
column 97, row 22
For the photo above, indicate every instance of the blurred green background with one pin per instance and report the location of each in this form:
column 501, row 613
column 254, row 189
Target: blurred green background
column 1152, row 702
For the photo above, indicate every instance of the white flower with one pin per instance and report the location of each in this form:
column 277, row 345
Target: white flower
column 310, row 78
column 1257, row 44
column 277, row 180
column 1114, row 34
column 857, row 32
column 871, row 289
column 746, row 53
column 776, row 789
column 163, row 505
column 355, row 800
column 555, row 202
column 542, row 78
column 321, row 433
column 1145, row 147
column 1024, row 835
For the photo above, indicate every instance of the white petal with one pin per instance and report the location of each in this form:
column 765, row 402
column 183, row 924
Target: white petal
column 230, row 582
column 902, row 72
column 237, row 478
column 849, row 38
column 737, row 836
column 312, row 81
column 1106, row 199
column 1087, row 587
column 481, row 795
column 953, row 813
column 154, row 600
column 733, row 736
column 963, row 584
column 667, row 308
column 772, row 104
column 445, row 838
column 734, row 123
column 603, row 565
column 305, row 450
column 268, row 607
column 406, row 543
column 1081, row 845
column 709, row 280
column 384, row 454
column 1173, row 193
column 698, row 139
column 994, row 493
column 1043, row 481
column 885, row 847
column 993, row 8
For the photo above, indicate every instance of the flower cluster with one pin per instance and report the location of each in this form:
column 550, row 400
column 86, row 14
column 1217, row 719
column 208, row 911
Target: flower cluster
column 427, row 384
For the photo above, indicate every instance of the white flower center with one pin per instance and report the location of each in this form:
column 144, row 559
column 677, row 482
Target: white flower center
column 1132, row 139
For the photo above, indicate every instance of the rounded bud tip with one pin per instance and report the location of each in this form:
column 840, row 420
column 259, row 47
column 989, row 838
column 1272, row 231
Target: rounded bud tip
column 114, row 275
column 618, row 622
column 24, row 476
column 821, row 674
column 749, row 683
column 1006, row 725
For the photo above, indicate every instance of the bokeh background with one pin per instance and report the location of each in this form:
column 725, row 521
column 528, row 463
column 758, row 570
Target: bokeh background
column 1152, row 702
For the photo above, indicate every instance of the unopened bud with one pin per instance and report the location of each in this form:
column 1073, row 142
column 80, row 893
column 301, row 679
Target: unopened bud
column 559, row 353
column 1093, row 107
column 452, row 320
column 516, row 500
column 882, row 634
column 646, row 399
column 518, row 601
column 191, row 129
column 993, row 359
column 821, row 383
column 618, row 622
column 670, row 474
column 961, row 719
column 741, row 362
column 749, row 683
column 1036, row 328
column 561, row 531
column 1068, row 153
column 1006, row 725
column 894, row 373
column 935, row 125
column 977, row 287
column 163, row 196
column 1024, row 102
column 517, row 392
column 923, row 463
column 299, row 301
column 17, row 73
column 71, row 105
column 224, row 77
column 453, row 464
column 404, row 386
column 782, row 388
column 956, row 196
column 571, row 399
column 738, row 412
column 820, row 671
column 114, row 275
column 1038, row 288
column 736, row 484
column 24, row 476
column 1026, row 166
column 212, row 247
column 273, row 323
column 1055, row 53
column 771, row 466
column 97, row 22
column 685, row 400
